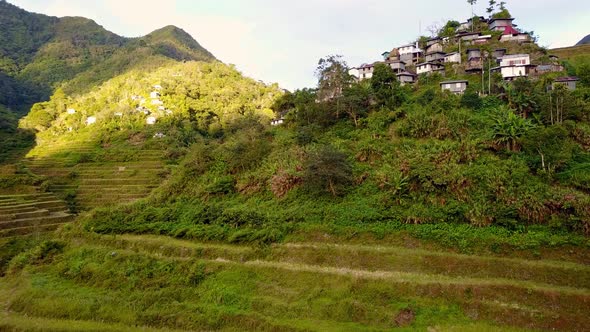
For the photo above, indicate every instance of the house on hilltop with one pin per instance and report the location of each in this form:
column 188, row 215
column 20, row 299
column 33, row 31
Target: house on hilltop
column 501, row 24
column 512, row 35
column 365, row 71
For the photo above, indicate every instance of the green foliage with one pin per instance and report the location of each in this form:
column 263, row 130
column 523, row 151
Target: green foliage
column 327, row 170
column 509, row 127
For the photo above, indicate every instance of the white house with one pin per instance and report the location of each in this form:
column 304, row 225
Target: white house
column 151, row 120
column 429, row 67
column 454, row 57
column 71, row 111
column 409, row 49
column 157, row 102
column 514, row 66
column 354, row 72
column 366, row 71
column 91, row 120
column 119, row 114
column 410, row 54
column 154, row 95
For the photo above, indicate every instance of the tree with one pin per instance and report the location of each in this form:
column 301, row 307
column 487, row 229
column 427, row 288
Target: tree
column 449, row 30
column 386, row 87
column 508, row 128
column 328, row 170
column 490, row 9
column 333, row 77
column 357, row 100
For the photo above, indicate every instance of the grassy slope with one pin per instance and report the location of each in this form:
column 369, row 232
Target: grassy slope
column 566, row 53
column 311, row 286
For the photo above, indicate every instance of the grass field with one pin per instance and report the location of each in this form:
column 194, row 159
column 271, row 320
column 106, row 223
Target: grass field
column 80, row 280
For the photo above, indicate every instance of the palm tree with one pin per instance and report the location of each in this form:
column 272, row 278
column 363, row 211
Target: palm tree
column 508, row 128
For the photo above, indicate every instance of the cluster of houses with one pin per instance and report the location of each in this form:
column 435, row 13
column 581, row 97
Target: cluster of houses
column 410, row 61
column 151, row 118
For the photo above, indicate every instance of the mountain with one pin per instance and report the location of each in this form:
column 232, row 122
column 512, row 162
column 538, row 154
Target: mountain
column 38, row 53
column 584, row 41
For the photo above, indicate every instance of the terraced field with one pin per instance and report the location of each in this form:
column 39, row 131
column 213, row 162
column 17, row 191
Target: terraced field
column 309, row 287
column 29, row 213
column 93, row 176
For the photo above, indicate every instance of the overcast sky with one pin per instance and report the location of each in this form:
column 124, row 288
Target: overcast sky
column 281, row 41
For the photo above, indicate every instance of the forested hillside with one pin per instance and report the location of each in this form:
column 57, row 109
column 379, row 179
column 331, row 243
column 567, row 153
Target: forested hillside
column 39, row 53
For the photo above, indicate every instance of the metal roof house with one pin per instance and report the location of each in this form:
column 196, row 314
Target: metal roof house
column 406, row 77
column 456, row 87
column 500, row 24
column 569, row 82
column 454, row 57
column 429, row 67
column 514, row 66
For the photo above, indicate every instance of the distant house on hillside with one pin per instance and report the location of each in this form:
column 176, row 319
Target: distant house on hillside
column 410, row 54
column 569, row 82
column 154, row 95
column 468, row 36
column 454, row 57
column 365, row 71
column 277, row 122
column 406, row 78
column 500, row 24
column 514, row 66
column 434, row 45
column 354, row 72
column 456, row 87
column 474, row 60
column 512, row 35
column 71, row 111
column 481, row 40
column 429, row 67
column 91, row 120
column 498, row 54
column 398, row 66
column 435, row 56
column 151, row 120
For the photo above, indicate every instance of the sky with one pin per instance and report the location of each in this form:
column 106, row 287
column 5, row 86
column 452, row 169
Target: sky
column 282, row 41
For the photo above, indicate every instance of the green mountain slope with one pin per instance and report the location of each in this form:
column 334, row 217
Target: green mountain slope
column 38, row 53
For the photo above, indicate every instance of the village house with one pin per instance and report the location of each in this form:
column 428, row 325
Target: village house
column 514, row 66
column 157, row 102
column 71, row 111
column 474, row 60
column 435, row 56
column 398, row 66
column 434, row 45
column 410, row 54
column 481, row 40
column 151, row 120
column 354, row 72
column 498, row 54
column 468, row 36
column 569, row 82
column 456, row 87
column 454, row 57
column 154, row 95
column 91, row 120
column 406, row 78
column 429, row 67
column 500, row 24
column 365, row 71
column 512, row 35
